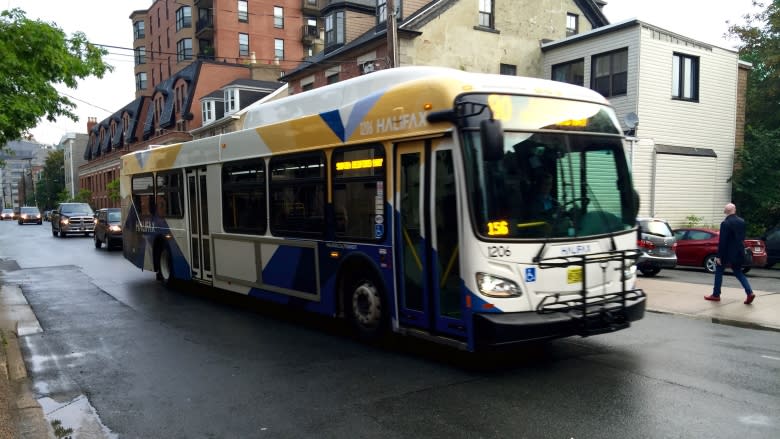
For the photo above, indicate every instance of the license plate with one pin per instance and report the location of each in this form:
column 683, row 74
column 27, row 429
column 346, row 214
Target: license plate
column 756, row 249
column 574, row 275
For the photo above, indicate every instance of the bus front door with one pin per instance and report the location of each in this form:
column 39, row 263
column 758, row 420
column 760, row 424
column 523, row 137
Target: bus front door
column 426, row 236
column 200, row 250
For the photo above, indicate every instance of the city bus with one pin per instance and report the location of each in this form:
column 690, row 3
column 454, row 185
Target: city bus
column 475, row 210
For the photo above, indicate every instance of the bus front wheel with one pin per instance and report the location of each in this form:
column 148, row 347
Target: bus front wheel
column 165, row 266
column 366, row 307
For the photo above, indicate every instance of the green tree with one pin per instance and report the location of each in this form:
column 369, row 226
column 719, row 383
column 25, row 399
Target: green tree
column 36, row 56
column 113, row 190
column 759, row 44
column 755, row 180
column 53, row 181
column 83, row 196
column 757, row 163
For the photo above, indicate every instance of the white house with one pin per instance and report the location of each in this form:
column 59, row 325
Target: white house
column 683, row 93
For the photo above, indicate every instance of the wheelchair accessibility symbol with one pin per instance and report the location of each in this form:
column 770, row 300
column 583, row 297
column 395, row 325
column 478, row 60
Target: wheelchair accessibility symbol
column 530, row 274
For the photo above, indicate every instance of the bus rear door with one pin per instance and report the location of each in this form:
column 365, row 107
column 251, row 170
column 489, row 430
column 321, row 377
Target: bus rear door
column 426, row 237
column 200, row 249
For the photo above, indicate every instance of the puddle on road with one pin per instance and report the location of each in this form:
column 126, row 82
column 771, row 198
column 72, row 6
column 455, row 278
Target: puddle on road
column 77, row 414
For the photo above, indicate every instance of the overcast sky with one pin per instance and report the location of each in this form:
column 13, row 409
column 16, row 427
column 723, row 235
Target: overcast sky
column 108, row 23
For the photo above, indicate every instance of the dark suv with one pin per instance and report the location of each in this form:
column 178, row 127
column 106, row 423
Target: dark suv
column 31, row 215
column 657, row 246
column 69, row 218
column 108, row 227
column 772, row 240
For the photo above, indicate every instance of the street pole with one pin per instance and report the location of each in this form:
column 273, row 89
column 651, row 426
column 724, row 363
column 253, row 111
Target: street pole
column 392, row 35
column 72, row 183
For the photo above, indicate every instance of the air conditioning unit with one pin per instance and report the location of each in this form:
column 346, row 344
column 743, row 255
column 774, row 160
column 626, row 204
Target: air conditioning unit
column 366, row 67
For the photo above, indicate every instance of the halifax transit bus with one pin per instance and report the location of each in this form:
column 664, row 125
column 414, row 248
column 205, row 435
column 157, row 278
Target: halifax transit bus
column 474, row 210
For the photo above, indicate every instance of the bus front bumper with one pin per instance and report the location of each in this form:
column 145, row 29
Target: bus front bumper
column 496, row 330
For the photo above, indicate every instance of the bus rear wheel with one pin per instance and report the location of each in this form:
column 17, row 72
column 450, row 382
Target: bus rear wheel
column 165, row 266
column 366, row 308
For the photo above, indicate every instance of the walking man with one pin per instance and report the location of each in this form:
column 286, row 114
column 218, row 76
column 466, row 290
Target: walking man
column 731, row 252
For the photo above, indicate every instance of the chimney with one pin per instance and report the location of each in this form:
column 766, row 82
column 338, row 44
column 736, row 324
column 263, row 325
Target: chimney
column 91, row 122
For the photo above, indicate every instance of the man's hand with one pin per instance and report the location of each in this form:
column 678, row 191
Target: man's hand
column 717, row 261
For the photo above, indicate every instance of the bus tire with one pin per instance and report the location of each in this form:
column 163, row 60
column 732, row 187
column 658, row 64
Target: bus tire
column 366, row 307
column 165, row 266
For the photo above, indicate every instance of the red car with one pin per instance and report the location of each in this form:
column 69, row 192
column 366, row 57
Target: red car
column 698, row 247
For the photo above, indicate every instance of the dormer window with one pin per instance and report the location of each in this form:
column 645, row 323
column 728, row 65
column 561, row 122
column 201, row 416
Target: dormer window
column 231, row 101
column 334, row 29
column 208, row 108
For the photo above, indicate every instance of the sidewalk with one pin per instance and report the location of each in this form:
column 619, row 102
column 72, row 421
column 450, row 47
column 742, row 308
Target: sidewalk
column 688, row 299
column 24, row 417
column 21, row 415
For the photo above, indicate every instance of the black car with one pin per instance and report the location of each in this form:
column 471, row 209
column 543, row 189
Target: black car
column 108, row 227
column 30, row 215
column 772, row 240
column 69, row 218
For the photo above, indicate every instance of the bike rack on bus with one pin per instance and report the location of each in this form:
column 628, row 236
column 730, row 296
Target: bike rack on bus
column 608, row 309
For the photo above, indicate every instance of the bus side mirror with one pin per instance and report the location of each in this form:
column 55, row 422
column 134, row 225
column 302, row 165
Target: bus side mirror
column 492, row 136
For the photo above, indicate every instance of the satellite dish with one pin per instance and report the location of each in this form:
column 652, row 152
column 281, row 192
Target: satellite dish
column 631, row 120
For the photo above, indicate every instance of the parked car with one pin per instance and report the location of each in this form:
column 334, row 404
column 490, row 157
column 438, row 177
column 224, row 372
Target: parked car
column 72, row 218
column 657, row 246
column 30, row 215
column 7, row 214
column 698, row 247
column 772, row 242
column 108, row 227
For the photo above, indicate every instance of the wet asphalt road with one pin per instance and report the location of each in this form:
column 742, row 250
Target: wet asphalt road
column 157, row 363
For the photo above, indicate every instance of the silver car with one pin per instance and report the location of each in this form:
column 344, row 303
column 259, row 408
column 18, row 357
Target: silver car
column 657, row 246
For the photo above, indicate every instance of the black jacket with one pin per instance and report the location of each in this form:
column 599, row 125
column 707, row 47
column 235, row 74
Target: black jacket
column 731, row 243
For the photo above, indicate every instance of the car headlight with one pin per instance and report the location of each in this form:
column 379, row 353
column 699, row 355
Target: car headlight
column 495, row 286
column 24, row 216
column 64, row 221
column 115, row 228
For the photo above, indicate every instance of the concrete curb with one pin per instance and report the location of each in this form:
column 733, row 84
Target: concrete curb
column 720, row 321
column 24, row 418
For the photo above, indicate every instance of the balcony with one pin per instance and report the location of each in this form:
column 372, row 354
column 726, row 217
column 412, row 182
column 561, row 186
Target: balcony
column 310, row 8
column 310, row 34
column 204, row 28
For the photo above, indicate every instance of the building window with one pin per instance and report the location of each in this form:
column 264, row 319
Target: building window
column 334, row 29
column 332, row 78
column 486, row 18
column 243, row 11
column 140, row 55
column 208, row 111
column 278, row 17
column 307, row 86
column 184, row 49
column 279, row 49
column 572, row 72
column 508, row 69
column 685, row 77
column 381, row 11
column 243, row 44
column 231, row 100
column 572, row 24
column 140, row 81
column 183, row 18
column 610, row 73
column 138, row 30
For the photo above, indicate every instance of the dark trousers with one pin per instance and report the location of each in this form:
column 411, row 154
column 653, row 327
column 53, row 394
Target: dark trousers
column 737, row 269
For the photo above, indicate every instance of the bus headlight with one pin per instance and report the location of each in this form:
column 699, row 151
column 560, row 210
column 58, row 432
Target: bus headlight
column 495, row 286
column 629, row 272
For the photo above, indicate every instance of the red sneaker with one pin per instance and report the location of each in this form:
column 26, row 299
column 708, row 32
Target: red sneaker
column 749, row 299
column 712, row 298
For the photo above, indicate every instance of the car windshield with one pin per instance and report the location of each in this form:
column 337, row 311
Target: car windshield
column 114, row 217
column 77, row 209
column 8, row 211
column 29, row 210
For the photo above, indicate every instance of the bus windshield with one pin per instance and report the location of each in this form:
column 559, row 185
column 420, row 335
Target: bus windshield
column 561, row 175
